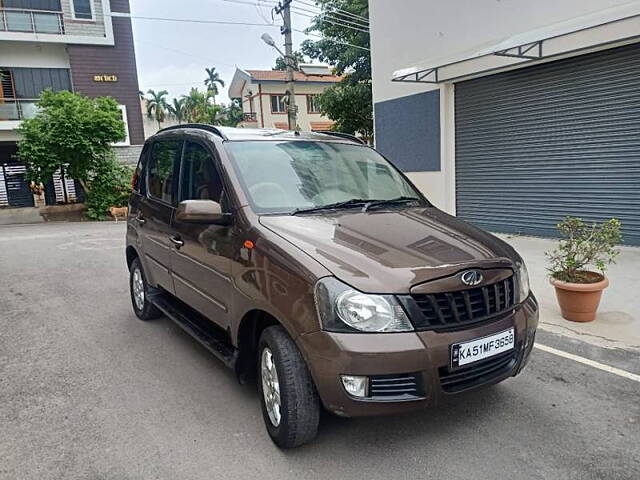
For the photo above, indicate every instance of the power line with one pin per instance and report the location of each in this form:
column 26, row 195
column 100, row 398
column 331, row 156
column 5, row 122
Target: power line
column 186, row 20
column 336, row 9
column 339, row 24
column 330, row 16
column 332, row 40
column 336, row 15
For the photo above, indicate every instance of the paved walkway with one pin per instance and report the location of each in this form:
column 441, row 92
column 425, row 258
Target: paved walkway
column 618, row 322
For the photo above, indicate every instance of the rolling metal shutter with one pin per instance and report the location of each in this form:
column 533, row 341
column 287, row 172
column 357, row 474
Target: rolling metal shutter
column 539, row 143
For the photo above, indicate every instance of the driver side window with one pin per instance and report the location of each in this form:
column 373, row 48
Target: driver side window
column 199, row 179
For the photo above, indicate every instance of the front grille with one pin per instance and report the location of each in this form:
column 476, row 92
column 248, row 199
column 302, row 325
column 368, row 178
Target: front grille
column 484, row 371
column 395, row 387
column 464, row 307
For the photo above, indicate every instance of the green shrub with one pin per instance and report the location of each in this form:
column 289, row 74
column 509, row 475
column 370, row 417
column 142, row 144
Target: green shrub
column 581, row 246
column 109, row 186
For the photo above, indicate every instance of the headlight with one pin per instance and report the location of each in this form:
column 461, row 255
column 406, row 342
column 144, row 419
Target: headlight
column 343, row 309
column 523, row 281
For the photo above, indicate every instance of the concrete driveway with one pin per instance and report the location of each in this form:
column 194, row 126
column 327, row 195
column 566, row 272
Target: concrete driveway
column 89, row 392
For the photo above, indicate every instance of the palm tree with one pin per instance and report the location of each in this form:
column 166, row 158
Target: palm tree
column 212, row 81
column 157, row 106
column 178, row 109
column 195, row 105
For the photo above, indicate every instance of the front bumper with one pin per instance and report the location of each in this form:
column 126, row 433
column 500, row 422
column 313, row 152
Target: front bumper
column 425, row 354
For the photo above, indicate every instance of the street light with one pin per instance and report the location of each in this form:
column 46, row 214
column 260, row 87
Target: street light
column 290, row 62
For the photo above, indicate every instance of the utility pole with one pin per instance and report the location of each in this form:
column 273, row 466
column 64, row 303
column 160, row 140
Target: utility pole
column 284, row 7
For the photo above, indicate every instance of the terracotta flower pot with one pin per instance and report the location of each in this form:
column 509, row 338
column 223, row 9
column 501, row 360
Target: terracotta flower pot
column 579, row 301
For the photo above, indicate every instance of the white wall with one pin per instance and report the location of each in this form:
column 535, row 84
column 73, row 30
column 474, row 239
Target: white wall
column 301, row 89
column 41, row 55
column 405, row 32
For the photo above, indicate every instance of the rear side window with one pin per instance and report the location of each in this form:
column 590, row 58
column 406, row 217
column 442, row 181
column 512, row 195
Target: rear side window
column 199, row 178
column 165, row 155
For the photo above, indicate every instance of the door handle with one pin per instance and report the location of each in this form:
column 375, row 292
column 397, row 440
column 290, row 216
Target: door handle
column 140, row 219
column 177, row 241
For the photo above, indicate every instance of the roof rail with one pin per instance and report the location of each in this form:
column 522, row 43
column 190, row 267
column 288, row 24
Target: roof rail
column 201, row 126
column 346, row 136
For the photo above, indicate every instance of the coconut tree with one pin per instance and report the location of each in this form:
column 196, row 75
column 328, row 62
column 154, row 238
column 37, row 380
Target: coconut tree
column 212, row 81
column 178, row 109
column 157, row 106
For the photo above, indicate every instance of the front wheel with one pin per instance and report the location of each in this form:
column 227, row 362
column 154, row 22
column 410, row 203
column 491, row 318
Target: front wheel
column 139, row 288
column 290, row 403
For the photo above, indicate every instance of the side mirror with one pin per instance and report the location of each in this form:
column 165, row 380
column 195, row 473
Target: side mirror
column 202, row 211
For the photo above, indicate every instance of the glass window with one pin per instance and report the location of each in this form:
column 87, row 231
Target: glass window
column 82, row 9
column 18, row 21
column 278, row 104
column 47, row 22
column 313, row 104
column 164, row 156
column 199, row 178
column 280, row 176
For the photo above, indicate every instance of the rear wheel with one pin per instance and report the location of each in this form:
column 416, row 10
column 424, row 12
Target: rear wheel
column 290, row 403
column 139, row 288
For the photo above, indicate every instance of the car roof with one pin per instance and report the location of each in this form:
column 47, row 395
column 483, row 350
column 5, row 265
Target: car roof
column 242, row 134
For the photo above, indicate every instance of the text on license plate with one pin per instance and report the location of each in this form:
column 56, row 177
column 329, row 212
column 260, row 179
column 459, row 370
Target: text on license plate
column 481, row 348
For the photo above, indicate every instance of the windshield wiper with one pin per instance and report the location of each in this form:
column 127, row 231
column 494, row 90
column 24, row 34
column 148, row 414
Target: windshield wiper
column 392, row 201
column 354, row 202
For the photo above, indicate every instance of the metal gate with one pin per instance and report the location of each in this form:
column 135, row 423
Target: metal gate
column 14, row 189
column 562, row 138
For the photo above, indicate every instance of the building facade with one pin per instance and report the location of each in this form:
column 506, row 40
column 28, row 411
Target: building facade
column 263, row 94
column 84, row 46
column 513, row 114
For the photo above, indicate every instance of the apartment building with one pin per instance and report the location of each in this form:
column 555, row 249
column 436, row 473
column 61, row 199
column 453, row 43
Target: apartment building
column 263, row 94
column 85, row 46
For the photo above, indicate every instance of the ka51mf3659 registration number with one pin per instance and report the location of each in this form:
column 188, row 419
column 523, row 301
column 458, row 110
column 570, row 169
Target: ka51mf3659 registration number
column 481, row 348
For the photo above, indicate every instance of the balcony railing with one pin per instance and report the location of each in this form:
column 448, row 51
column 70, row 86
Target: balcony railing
column 31, row 21
column 17, row 108
column 249, row 117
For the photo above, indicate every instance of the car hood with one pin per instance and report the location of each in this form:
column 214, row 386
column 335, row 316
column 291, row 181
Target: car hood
column 391, row 251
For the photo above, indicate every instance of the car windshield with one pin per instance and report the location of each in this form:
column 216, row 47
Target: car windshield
column 286, row 176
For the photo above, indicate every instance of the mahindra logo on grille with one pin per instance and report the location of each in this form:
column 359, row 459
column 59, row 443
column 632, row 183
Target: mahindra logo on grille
column 471, row 278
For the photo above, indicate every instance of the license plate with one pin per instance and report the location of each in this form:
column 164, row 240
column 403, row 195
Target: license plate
column 468, row 352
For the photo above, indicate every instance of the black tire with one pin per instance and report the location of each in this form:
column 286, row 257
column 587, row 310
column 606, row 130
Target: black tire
column 299, row 401
column 148, row 311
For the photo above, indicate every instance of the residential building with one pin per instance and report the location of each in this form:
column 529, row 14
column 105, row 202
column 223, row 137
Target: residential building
column 264, row 101
column 513, row 114
column 85, row 46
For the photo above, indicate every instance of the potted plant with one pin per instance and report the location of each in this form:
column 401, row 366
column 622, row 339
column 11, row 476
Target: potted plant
column 579, row 288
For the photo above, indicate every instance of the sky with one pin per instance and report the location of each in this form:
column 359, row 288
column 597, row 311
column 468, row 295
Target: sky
column 172, row 56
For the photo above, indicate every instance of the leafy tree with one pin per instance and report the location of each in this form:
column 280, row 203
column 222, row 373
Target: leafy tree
column 72, row 131
column 157, row 106
column 349, row 102
column 178, row 109
column 198, row 109
column 110, row 187
column 281, row 64
column 232, row 113
column 212, row 81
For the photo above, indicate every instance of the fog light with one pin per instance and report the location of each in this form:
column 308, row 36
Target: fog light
column 355, row 385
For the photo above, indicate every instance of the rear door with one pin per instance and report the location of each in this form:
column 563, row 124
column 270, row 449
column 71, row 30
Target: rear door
column 157, row 209
column 201, row 266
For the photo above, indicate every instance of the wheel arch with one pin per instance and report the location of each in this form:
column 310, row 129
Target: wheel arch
column 249, row 330
column 131, row 254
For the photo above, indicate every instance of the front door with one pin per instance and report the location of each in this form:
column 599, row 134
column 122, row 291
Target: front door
column 156, row 211
column 202, row 264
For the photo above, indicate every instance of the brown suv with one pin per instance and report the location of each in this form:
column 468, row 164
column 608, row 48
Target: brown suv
column 312, row 262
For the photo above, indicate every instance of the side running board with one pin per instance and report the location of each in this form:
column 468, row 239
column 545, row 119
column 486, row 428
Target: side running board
column 216, row 344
